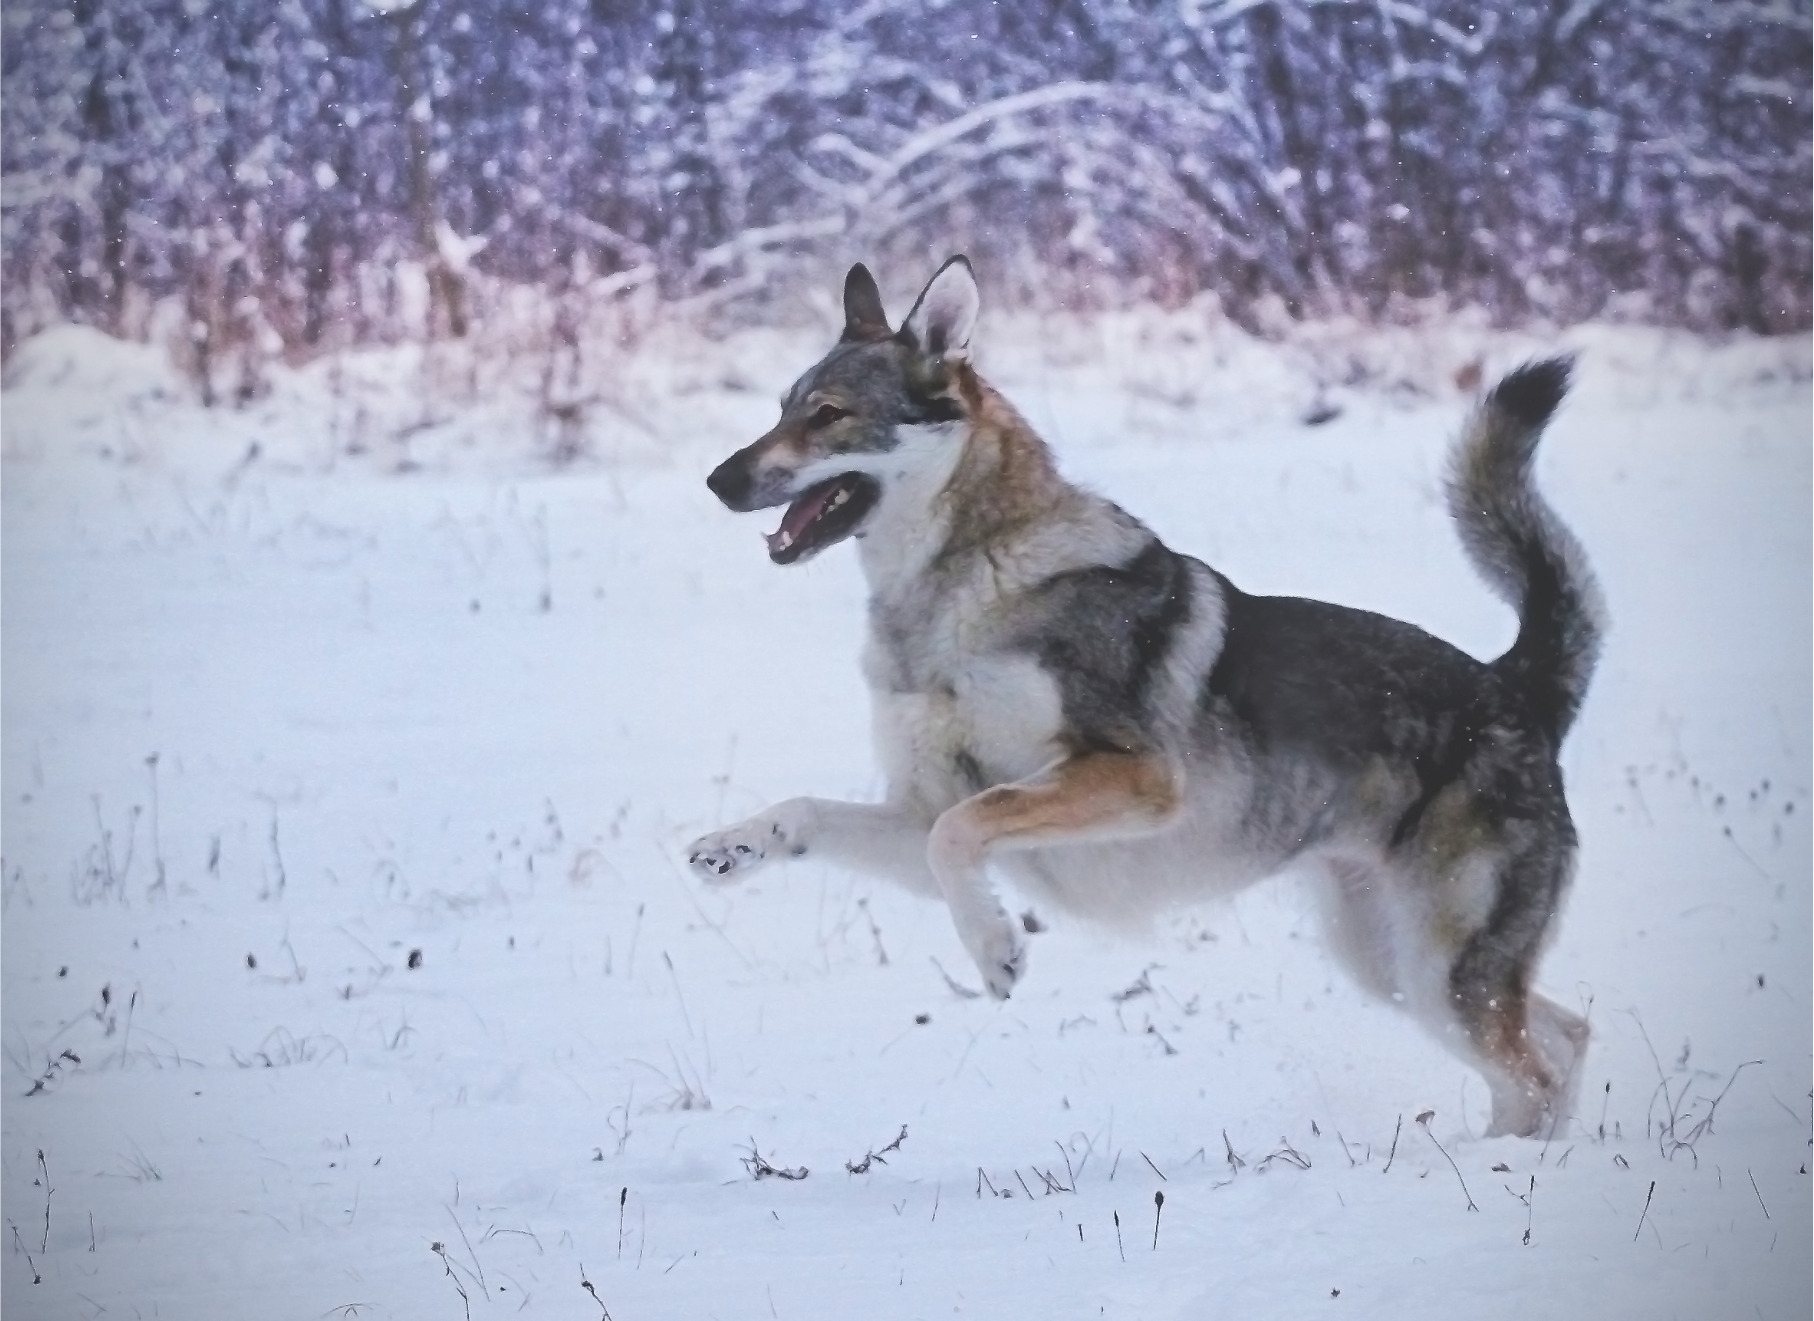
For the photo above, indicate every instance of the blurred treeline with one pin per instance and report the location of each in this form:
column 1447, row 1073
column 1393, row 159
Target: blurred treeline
column 277, row 168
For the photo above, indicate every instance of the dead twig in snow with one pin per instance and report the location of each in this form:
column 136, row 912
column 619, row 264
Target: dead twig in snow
column 1704, row 1125
column 440, row 1250
column 1646, row 1211
column 1424, row 1122
column 478, row 1270
column 759, row 1167
column 1228, row 1153
column 44, row 1173
column 586, row 1284
column 1289, row 1154
column 1154, row 1032
column 52, row 1071
column 875, row 932
column 1141, row 985
column 1527, row 1197
column 862, row 1166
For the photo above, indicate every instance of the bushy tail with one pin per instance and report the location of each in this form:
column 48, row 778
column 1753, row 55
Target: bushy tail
column 1522, row 549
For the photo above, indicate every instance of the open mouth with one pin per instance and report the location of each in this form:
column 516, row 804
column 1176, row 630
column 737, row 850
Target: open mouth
column 822, row 515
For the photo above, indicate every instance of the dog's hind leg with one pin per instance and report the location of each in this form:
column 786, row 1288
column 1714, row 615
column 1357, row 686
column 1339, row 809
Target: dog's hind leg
column 1527, row 1046
column 874, row 838
column 1093, row 796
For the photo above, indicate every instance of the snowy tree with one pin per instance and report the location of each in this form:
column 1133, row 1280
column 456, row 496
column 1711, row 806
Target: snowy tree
column 272, row 166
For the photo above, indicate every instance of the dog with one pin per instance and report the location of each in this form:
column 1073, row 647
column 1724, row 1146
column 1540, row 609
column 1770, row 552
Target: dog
column 1116, row 727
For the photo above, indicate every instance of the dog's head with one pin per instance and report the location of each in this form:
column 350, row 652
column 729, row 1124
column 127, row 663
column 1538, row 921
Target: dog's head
column 852, row 422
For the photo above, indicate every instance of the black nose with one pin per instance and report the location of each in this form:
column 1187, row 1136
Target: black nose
column 730, row 482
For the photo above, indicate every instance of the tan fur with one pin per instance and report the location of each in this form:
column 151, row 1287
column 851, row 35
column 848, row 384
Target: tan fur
column 1092, row 796
column 1006, row 480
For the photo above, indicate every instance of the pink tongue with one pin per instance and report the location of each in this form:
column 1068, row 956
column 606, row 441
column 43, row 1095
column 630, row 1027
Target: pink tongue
column 800, row 513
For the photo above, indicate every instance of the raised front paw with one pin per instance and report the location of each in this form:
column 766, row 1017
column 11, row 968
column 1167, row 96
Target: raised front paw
column 737, row 849
column 1001, row 957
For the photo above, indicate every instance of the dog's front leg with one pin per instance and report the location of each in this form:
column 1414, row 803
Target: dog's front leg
column 875, row 838
column 1099, row 795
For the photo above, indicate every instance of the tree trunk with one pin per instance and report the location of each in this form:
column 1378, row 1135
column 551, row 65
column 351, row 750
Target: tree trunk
column 446, row 288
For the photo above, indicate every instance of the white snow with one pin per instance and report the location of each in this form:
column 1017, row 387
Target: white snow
column 294, row 692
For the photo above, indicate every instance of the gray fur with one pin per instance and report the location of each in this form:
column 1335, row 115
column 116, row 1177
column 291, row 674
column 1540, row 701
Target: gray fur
column 1520, row 547
column 1062, row 699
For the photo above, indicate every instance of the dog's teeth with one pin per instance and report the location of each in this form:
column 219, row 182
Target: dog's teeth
column 839, row 499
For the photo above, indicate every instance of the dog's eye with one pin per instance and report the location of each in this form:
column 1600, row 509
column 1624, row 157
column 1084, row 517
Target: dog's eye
column 825, row 414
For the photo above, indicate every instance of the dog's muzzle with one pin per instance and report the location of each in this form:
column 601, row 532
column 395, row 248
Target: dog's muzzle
column 821, row 515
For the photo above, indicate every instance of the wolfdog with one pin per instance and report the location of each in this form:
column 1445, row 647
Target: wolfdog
column 1116, row 727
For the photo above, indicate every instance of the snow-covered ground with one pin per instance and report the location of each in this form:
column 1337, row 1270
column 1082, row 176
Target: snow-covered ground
column 350, row 969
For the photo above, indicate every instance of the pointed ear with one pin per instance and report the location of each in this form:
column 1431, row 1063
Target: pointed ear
column 863, row 314
column 945, row 314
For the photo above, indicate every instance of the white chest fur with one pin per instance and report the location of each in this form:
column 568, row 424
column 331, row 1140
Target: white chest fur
column 995, row 718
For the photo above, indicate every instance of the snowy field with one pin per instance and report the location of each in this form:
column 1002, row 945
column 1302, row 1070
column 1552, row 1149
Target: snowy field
column 351, row 970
